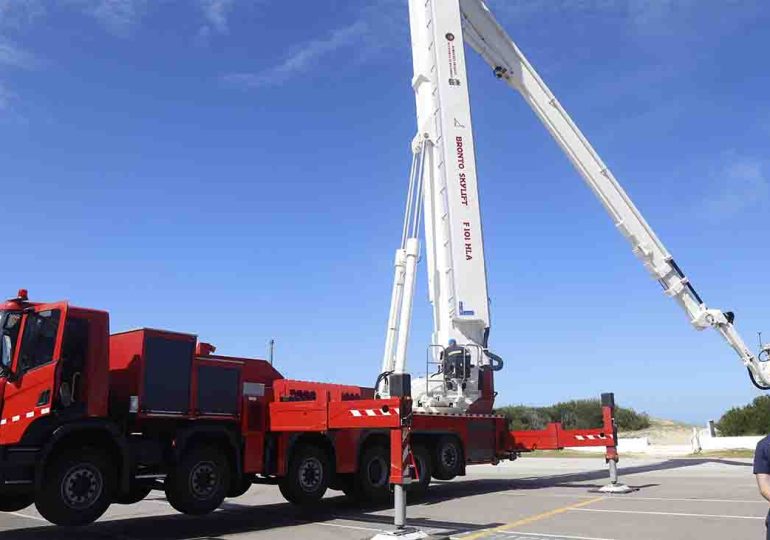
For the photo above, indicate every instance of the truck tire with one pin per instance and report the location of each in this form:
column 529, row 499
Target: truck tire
column 16, row 502
column 447, row 458
column 77, row 489
column 424, row 471
column 348, row 485
column 373, row 476
column 308, row 476
column 137, row 493
column 198, row 484
column 240, row 486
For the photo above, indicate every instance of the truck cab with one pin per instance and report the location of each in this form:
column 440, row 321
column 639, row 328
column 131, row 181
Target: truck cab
column 53, row 357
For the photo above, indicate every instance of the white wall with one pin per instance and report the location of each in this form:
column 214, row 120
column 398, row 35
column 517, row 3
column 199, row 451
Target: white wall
column 700, row 441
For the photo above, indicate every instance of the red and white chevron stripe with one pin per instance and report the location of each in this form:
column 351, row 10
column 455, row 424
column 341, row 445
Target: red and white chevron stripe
column 590, row 437
column 374, row 412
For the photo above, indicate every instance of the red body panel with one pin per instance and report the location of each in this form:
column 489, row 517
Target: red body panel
column 96, row 382
column 125, row 369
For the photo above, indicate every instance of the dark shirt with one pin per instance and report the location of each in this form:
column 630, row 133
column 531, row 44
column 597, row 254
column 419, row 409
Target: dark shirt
column 762, row 457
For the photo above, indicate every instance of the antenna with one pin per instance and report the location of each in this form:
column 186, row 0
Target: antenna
column 270, row 350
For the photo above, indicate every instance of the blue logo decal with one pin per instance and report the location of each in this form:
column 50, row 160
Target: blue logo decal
column 464, row 312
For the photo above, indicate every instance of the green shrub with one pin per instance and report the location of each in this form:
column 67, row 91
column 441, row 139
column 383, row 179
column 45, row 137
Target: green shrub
column 575, row 414
column 751, row 419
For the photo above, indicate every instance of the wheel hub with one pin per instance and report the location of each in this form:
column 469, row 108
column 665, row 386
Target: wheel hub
column 449, row 456
column 310, row 474
column 377, row 472
column 204, row 480
column 81, row 486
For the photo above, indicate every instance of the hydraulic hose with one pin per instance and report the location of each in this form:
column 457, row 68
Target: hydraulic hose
column 380, row 377
column 755, row 383
column 496, row 361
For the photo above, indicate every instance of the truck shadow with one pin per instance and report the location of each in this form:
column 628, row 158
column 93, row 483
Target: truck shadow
column 584, row 480
column 235, row 517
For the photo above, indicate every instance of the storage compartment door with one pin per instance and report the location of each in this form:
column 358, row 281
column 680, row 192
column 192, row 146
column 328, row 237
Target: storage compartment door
column 167, row 372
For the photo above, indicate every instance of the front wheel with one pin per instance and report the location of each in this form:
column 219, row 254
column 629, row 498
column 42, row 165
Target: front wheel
column 199, row 482
column 308, row 475
column 77, row 489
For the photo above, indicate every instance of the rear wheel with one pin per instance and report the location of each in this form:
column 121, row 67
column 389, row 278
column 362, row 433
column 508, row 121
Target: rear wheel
column 373, row 476
column 77, row 489
column 447, row 458
column 424, row 470
column 199, row 482
column 308, row 476
column 14, row 503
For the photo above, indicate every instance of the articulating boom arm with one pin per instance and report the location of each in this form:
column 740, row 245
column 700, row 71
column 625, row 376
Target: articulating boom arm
column 482, row 32
column 443, row 193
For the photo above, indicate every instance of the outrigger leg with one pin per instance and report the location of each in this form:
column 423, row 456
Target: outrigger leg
column 611, row 454
column 401, row 463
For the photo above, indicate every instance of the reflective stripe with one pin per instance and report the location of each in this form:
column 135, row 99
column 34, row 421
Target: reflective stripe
column 590, row 437
column 30, row 414
column 373, row 412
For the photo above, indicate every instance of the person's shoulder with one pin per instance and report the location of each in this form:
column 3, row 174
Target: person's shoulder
column 764, row 443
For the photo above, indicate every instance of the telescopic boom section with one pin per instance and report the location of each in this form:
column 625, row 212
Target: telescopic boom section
column 443, row 191
column 482, row 32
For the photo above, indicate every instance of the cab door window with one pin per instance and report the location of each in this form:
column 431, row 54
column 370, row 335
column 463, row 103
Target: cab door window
column 8, row 334
column 38, row 340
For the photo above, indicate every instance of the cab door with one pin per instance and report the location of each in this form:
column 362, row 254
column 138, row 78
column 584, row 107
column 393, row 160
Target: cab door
column 29, row 390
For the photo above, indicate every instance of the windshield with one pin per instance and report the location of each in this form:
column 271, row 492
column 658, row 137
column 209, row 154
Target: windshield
column 10, row 321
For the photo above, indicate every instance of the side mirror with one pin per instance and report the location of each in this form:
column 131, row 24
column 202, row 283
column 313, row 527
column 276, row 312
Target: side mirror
column 6, row 354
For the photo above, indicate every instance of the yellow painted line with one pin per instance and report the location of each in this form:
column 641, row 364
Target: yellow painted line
column 530, row 519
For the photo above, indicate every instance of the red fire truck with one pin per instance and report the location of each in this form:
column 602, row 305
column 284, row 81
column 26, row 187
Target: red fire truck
column 89, row 419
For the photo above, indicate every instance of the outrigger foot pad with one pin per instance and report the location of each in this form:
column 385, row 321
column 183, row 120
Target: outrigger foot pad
column 616, row 488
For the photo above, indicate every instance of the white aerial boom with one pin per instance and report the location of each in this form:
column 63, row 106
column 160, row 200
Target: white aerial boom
column 445, row 178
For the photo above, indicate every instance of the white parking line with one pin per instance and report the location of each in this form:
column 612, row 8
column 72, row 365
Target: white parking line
column 559, row 536
column 683, row 514
column 26, row 516
column 348, row 527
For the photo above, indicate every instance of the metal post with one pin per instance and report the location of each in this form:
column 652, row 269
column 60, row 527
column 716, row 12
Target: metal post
column 613, row 471
column 271, row 351
column 399, row 497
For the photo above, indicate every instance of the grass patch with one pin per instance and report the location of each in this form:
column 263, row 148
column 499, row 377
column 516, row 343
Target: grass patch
column 726, row 454
column 563, row 454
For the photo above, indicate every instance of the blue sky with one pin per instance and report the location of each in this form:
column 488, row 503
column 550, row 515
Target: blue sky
column 238, row 170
